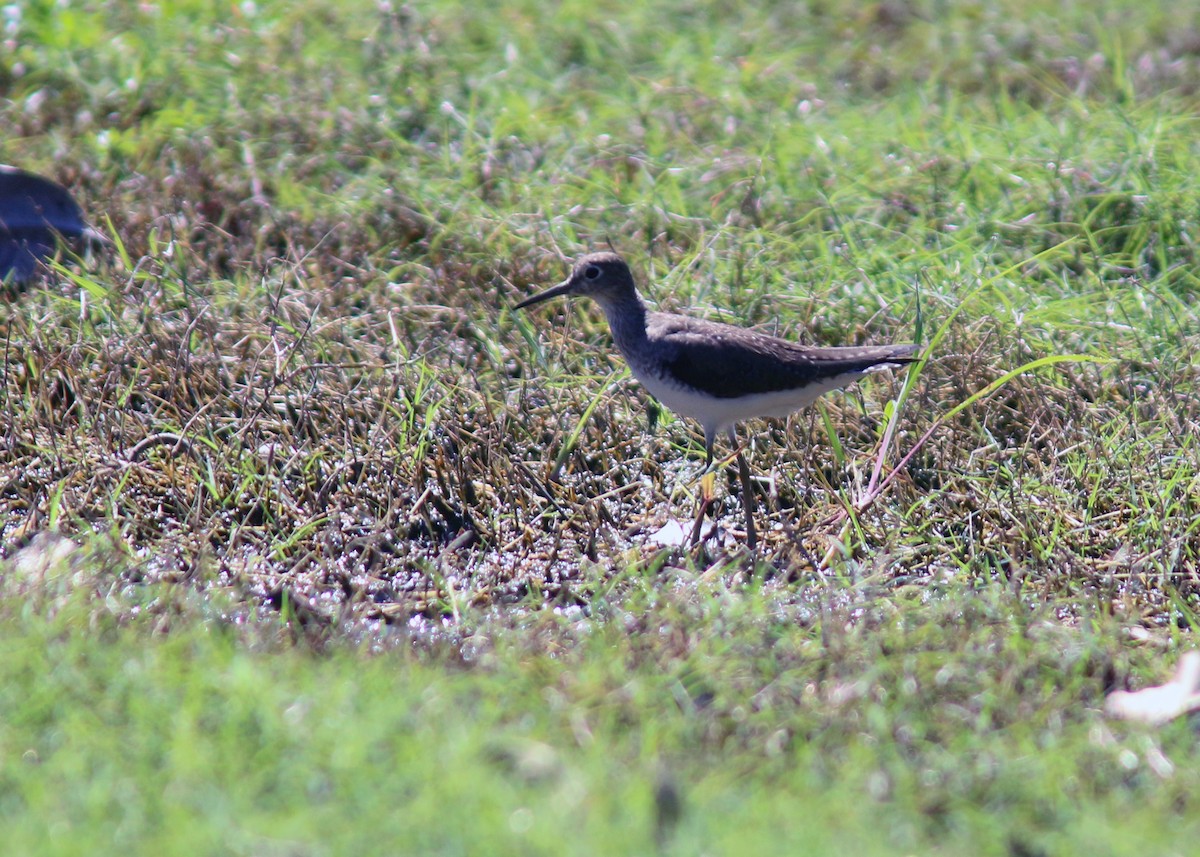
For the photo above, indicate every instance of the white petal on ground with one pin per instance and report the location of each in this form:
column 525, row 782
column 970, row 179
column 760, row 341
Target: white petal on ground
column 1158, row 705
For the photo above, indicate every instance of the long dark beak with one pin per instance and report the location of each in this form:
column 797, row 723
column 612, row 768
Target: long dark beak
column 562, row 288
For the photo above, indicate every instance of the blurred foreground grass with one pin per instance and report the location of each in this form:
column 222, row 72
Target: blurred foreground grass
column 704, row 719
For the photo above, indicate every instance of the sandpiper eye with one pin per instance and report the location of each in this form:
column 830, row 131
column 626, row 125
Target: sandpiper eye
column 591, row 272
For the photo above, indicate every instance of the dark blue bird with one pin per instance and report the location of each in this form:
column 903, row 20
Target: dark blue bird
column 35, row 215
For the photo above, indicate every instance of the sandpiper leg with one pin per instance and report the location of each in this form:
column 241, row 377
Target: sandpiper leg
column 747, row 493
column 706, row 498
column 706, row 483
column 748, row 502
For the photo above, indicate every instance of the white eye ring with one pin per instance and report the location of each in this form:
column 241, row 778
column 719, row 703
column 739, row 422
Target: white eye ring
column 591, row 272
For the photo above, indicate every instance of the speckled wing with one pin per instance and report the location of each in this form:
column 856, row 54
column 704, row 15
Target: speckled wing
column 730, row 362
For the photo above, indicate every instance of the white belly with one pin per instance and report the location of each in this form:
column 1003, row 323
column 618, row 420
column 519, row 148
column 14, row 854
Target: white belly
column 718, row 414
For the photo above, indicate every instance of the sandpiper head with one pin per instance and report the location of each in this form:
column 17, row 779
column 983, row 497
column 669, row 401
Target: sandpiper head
column 602, row 276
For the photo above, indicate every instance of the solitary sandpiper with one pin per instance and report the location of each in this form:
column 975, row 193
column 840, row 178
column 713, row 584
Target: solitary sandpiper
column 717, row 374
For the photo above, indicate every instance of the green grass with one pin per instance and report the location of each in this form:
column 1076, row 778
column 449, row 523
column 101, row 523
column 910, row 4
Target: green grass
column 968, row 722
column 354, row 558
